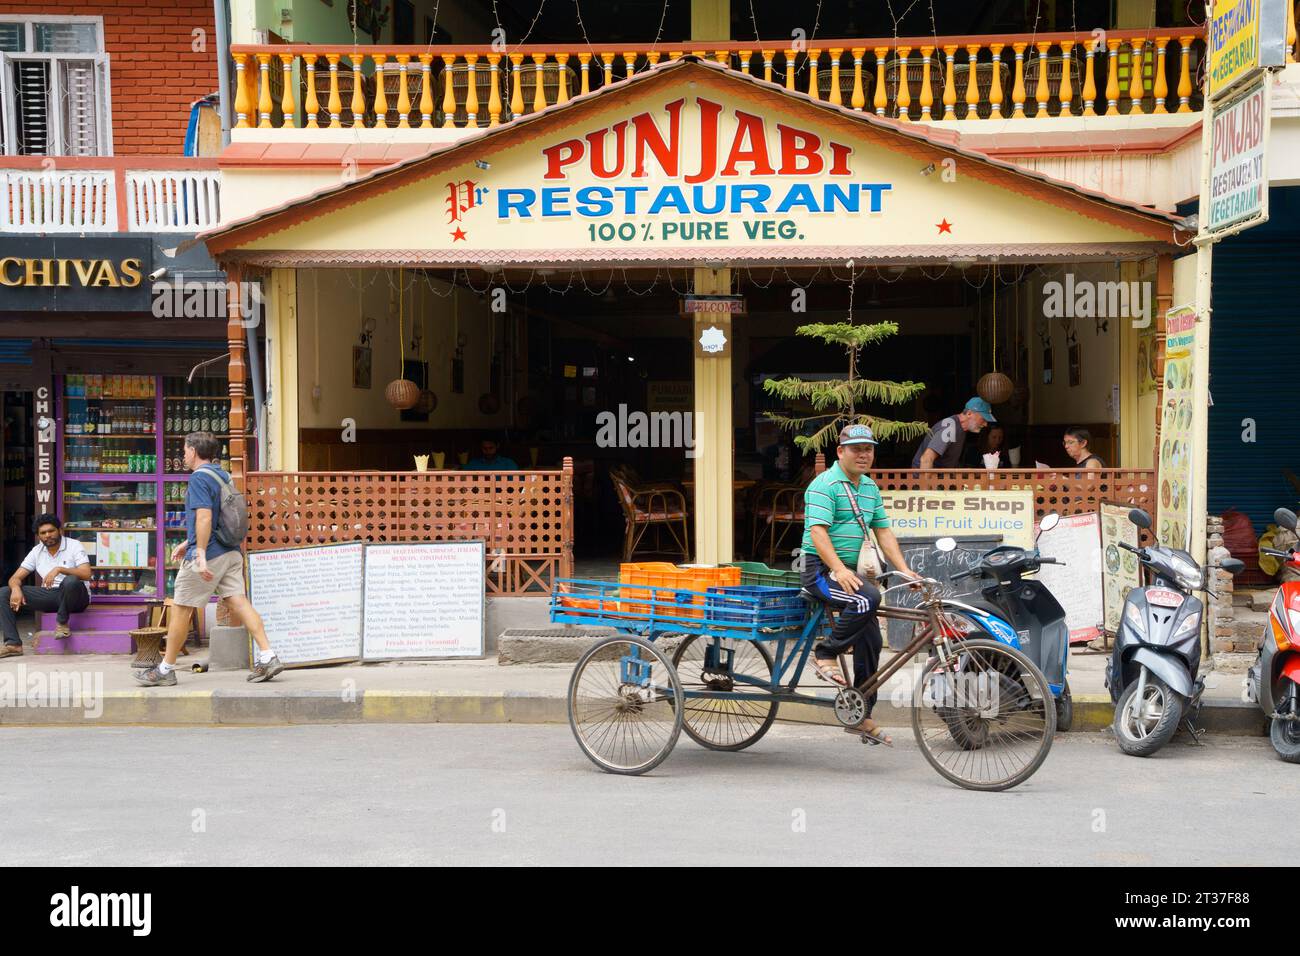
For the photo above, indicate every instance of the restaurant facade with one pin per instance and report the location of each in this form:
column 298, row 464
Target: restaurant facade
column 535, row 275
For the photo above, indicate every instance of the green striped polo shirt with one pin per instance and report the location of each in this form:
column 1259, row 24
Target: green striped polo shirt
column 826, row 502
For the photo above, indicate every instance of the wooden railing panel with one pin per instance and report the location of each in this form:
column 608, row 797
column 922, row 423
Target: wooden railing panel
column 1065, row 492
column 525, row 518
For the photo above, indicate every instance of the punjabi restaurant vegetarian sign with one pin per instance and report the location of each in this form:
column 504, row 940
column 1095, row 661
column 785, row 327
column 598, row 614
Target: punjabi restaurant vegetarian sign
column 672, row 170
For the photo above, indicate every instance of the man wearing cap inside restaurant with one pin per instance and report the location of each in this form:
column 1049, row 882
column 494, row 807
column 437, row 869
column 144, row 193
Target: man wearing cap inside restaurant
column 943, row 446
column 840, row 505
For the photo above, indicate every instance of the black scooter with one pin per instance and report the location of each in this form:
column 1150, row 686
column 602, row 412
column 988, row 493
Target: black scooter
column 1020, row 612
column 1153, row 671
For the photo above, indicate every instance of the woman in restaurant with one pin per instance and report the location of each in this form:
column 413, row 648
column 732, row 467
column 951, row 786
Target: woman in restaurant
column 1077, row 442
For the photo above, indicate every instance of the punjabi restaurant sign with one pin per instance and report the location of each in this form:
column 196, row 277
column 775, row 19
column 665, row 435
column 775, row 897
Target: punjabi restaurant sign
column 682, row 169
column 1243, row 37
column 1239, row 147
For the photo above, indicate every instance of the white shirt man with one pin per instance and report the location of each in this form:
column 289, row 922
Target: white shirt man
column 62, row 575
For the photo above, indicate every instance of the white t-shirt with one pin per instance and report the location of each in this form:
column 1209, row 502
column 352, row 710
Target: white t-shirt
column 40, row 562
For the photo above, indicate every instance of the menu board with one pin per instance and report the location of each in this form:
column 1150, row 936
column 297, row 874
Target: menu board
column 423, row 600
column 1174, row 521
column 1119, row 569
column 927, row 561
column 1076, row 583
column 310, row 601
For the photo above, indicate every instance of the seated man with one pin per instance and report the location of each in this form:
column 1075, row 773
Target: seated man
column 832, row 540
column 62, row 572
column 489, row 460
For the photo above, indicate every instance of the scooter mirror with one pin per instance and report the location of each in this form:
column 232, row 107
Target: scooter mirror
column 1140, row 518
column 946, row 544
column 1285, row 517
column 1232, row 565
column 1049, row 522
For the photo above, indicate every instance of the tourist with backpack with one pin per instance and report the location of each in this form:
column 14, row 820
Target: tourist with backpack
column 216, row 521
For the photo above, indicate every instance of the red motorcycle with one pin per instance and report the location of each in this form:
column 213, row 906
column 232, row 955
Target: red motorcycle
column 1274, row 680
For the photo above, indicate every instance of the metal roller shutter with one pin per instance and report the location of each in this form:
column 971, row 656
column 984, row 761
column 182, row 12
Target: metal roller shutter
column 1254, row 355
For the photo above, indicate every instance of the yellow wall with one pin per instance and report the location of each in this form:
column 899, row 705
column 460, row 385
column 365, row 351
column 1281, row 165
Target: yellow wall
column 1061, row 403
column 330, row 302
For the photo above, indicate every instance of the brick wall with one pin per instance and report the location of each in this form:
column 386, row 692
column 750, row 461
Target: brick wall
column 153, row 71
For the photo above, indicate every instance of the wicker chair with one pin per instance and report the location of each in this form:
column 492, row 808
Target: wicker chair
column 824, row 77
column 775, row 509
column 526, row 76
column 915, row 80
column 983, row 83
column 646, row 506
column 1055, row 70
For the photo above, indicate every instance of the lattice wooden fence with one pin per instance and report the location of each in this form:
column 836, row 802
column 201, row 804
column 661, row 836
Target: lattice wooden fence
column 1065, row 492
column 525, row 517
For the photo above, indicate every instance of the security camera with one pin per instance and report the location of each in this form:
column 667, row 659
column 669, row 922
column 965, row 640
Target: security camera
column 157, row 274
column 482, row 164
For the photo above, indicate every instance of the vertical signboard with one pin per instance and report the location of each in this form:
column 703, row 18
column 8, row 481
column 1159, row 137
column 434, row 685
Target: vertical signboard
column 1119, row 568
column 1238, row 187
column 1244, row 36
column 1174, row 524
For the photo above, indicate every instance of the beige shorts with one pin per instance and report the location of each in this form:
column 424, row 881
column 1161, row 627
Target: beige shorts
column 227, row 580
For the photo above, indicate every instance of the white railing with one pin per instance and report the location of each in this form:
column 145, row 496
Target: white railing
column 57, row 201
column 86, row 200
column 172, row 200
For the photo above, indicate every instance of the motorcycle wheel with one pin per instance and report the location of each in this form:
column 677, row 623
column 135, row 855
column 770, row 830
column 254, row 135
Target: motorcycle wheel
column 1141, row 734
column 1064, row 710
column 1285, row 735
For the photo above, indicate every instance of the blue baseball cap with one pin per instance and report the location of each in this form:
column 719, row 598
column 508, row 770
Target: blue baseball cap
column 857, row 435
column 979, row 405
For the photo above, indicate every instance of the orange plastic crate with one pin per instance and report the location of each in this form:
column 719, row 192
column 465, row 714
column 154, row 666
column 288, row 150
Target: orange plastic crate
column 661, row 574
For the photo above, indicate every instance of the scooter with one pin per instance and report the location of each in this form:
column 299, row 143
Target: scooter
column 1019, row 612
column 1274, row 680
column 1153, row 672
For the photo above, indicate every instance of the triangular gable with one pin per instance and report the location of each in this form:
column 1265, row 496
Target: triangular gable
column 691, row 161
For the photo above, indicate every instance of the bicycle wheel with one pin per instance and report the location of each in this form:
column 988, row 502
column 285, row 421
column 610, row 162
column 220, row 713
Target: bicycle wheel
column 985, row 718
column 710, row 664
column 625, row 705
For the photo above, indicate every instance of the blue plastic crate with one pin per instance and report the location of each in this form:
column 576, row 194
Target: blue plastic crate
column 755, row 605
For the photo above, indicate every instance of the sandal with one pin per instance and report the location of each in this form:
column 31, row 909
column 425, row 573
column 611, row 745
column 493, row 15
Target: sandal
column 869, row 737
column 828, row 669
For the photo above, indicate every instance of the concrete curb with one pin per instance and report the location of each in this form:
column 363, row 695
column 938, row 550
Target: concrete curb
column 234, row 708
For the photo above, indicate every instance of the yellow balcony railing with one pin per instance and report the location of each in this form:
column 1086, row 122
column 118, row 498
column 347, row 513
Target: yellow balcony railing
column 919, row 79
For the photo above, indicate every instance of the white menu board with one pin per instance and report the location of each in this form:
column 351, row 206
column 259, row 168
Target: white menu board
column 1076, row 583
column 310, row 601
column 424, row 600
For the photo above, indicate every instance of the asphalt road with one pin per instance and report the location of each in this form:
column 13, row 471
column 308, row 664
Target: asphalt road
column 524, row 794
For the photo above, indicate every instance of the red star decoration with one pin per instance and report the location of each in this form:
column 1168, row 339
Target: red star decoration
column 944, row 226
column 458, row 234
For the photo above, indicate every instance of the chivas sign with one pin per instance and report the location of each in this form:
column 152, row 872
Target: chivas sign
column 75, row 275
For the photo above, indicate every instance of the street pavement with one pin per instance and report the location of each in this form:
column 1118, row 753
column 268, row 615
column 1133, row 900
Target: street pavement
column 524, row 794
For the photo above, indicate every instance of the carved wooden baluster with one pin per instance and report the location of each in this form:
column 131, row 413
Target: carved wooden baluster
column 311, row 105
column 927, row 91
column 335, row 101
column 949, row 84
column 358, row 96
column 1018, row 90
column 1042, row 91
column 1090, row 80
column 836, row 97
column 881, row 99
column 1066, row 93
column 1184, row 78
column 381, row 94
column 1112, row 76
column 972, row 81
column 494, row 90
column 859, row 98
column 288, row 105
column 904, row 97
column 264, row 102
column 403, row 92
column 471, row 90
column 562, row 95
column 1136, row 91
column 995, row 84
column 1162, row 82
column 426, row 91
column 448, row 94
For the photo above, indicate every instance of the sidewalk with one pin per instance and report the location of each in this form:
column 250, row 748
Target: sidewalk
column 99, row 690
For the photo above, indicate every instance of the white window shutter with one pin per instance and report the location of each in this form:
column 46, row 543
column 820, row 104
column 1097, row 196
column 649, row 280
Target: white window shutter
column 79, row 95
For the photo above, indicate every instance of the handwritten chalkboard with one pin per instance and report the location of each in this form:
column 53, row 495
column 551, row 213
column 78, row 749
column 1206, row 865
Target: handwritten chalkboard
column 925, row 560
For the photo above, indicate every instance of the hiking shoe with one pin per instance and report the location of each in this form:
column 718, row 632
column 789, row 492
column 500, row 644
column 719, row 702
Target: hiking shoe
column 264, row 672
column 153, row 677
column 11, row 650
column 62, row 631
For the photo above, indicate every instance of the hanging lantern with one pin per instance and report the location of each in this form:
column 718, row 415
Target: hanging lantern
column 402, row 393
column 995, row 387
column 426, row 403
